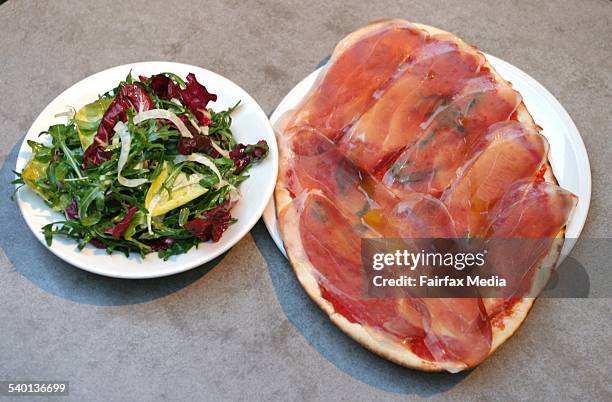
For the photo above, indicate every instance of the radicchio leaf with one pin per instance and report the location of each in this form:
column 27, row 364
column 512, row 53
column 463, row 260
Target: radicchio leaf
column 97, row 243
column 198, row 143
column 162, row 243
column 72, row 210
column 195, row 96
column 128, row 96
column 123, row 224
column 139, row 98
column 211, row 224
column 164, row 87
column 114, row 113
column 242, row 154
column 95, row 155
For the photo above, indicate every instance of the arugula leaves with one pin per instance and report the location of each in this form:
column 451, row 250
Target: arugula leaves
column 101, row 211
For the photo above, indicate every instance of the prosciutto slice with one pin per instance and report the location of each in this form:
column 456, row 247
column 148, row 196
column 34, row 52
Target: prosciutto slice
column 360, row 67
column 314, row 162
column 331, row 241
column 416, row 216
column 433, row 75
column 531, row 210
column 533, row 213
column 451, row 135
column 511, row 152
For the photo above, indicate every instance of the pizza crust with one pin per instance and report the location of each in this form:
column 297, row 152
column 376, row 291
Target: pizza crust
column 288, row 217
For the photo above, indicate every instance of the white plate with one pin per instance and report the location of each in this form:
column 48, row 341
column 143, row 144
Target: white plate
column 249, row 125
column 568, row 155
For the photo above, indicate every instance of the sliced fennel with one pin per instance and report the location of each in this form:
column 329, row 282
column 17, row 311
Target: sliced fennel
column 166, row 115
column 126, row 141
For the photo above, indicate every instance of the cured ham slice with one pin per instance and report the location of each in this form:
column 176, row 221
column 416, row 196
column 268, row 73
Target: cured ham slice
column 511, row 152
column 456, row 329
column 410, row 134
column 435, row 73
column 529, row 218
column 416, row 216
column 451, row 135
column 532, row 210
column 315, row 163
column 362, row 64
column 331, row 242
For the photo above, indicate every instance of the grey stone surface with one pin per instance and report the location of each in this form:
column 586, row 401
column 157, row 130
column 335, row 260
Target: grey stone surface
column 241, row 328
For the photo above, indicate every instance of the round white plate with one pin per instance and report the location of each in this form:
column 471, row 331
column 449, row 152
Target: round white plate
column 568, row 155
column 249, row 125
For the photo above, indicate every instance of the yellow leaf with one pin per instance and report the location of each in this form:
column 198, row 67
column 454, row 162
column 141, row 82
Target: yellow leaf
column 184, row 189
column 88, row 118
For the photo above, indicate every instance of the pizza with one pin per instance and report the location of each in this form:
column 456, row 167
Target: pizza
column 409, row 132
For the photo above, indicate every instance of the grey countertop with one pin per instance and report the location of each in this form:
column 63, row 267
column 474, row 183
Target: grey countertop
column 241, row 327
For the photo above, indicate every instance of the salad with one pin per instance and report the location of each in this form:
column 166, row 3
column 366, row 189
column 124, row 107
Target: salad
column 147, row 167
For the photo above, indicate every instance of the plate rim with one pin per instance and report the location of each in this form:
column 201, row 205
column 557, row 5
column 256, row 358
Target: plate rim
column 173, row 266
column 578, row 147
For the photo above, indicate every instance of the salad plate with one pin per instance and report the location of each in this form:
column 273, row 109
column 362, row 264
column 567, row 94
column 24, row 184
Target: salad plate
column 249, row 125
